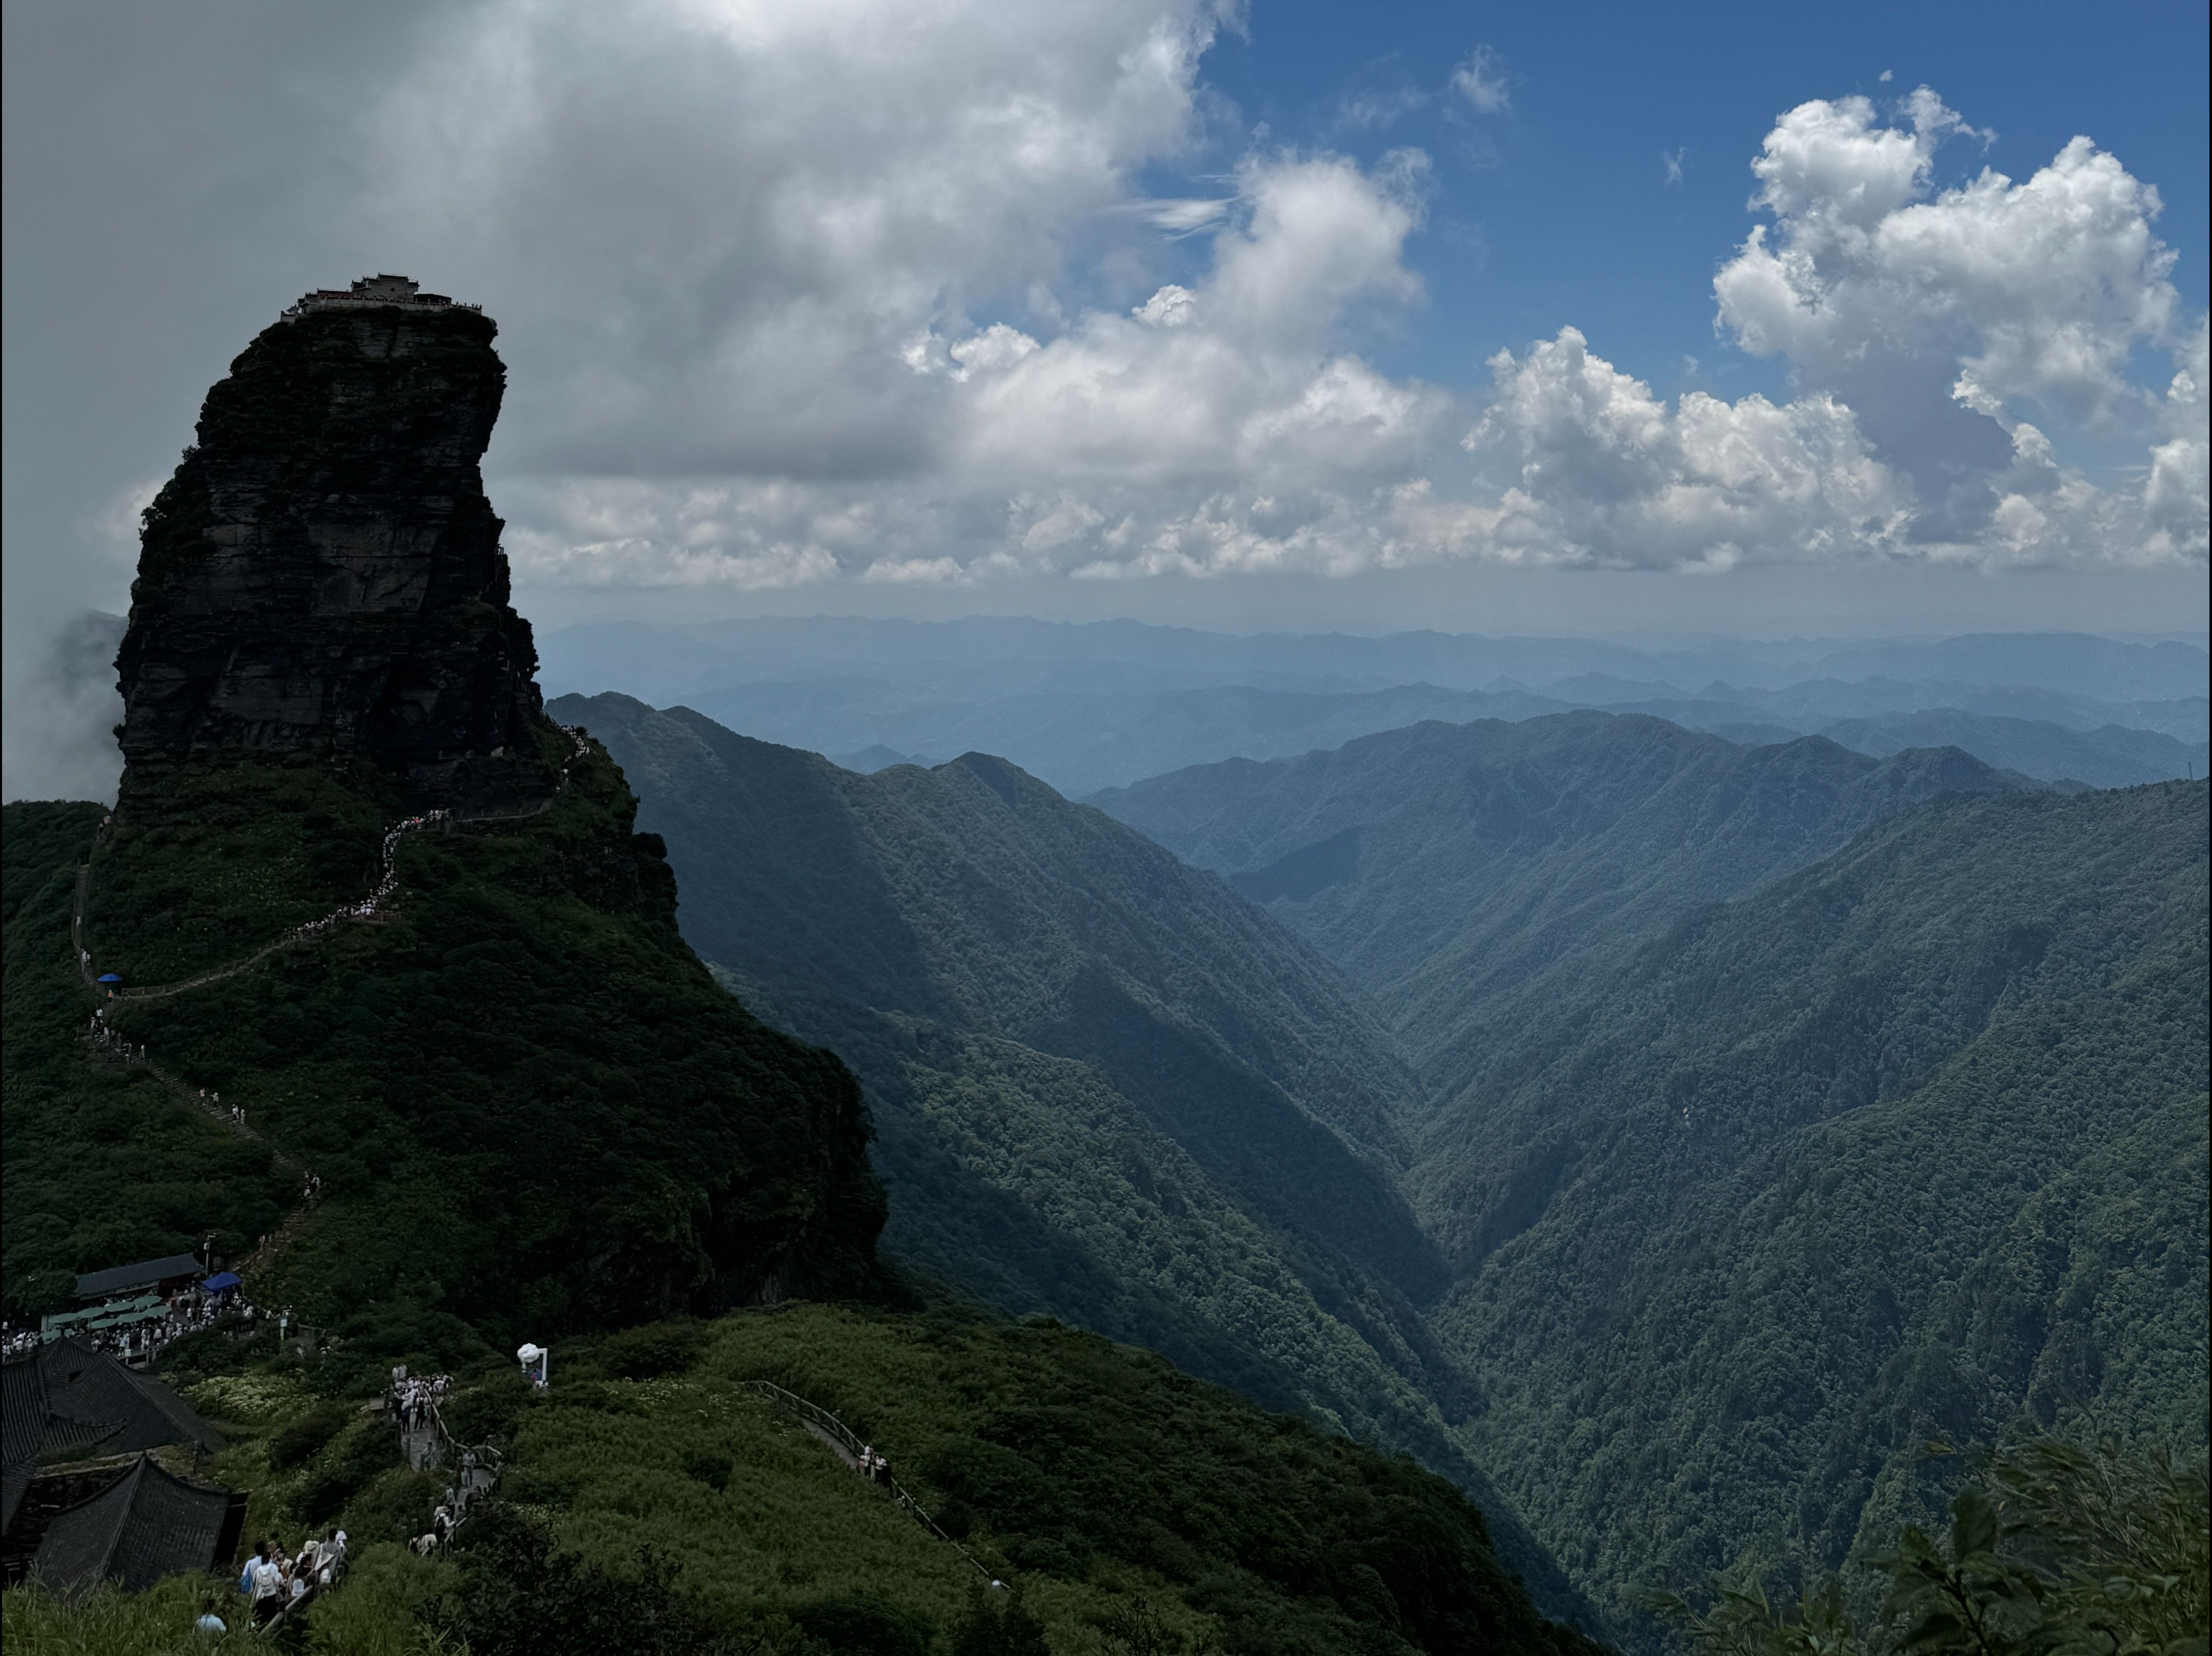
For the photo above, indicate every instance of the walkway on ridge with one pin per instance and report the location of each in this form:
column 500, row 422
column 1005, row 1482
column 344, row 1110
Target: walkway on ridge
column 104, row 1046
column 367, row 908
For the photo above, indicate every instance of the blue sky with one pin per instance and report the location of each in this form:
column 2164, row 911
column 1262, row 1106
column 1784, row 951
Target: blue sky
column 866, row 307
column 1560, row 211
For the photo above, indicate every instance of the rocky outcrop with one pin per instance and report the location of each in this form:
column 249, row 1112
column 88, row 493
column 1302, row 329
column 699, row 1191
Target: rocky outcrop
column 322, row 578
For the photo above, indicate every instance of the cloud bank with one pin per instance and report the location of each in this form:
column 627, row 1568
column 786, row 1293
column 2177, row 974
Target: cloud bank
column 868, row 293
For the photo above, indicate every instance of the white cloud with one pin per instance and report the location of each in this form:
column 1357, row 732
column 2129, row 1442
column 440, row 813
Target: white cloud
column 1922, row 327
column 1366, row 112
column 1183, row 216
column 2016, row 294
column 1945, row 318
column 1482, row 80
column 1170, row 307
column 1605, row 472
column 1671, row 162
column 809, row 315
column 2177, row 499
column 720, row 275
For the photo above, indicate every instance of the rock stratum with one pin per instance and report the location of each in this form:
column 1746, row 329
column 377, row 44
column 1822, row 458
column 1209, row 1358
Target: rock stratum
column 322, row 577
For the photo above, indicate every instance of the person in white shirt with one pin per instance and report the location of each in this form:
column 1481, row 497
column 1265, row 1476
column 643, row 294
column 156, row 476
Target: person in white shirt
column 268, row 1584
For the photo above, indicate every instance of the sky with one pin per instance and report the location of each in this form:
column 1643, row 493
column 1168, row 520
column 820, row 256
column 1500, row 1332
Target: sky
column 1577, row 318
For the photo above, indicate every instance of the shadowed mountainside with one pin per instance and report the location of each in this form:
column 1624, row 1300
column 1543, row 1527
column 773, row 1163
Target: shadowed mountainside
column 1105, row 1086
column 528, row 1102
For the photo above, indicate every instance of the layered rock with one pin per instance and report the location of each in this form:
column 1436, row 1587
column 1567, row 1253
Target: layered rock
column 322, row 577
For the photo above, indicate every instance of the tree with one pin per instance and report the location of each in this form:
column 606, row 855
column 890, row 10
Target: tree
column 2052, row 1549
column 999, row 1624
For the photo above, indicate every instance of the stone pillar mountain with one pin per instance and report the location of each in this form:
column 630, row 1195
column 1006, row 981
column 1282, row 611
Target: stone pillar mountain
column 321, row 581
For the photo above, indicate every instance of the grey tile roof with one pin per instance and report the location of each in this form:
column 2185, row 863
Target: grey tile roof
column 95, row 1405
column 144, row 1525
column 22, row 1426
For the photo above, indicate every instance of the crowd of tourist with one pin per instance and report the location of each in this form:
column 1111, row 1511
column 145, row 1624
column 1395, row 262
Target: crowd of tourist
column 274, row 1581
column 139, row 1342
column 414, row 1396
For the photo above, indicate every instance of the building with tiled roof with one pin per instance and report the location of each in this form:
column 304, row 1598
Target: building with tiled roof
column 148, row 1275
column 380, row 290
column 146, row 1524
column 95, row 1406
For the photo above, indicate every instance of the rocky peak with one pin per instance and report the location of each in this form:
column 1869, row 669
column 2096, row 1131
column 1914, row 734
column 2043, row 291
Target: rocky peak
column 322, row 577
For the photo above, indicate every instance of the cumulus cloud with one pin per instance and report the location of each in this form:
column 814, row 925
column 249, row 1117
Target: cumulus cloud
column 720, row 277
column 835, row 304
column 1922, row 326
column 1944, row 317
column 2176, row 498
column 1605, row 472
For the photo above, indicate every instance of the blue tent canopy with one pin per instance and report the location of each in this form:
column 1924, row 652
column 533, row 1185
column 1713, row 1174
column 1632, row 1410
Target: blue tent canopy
column 110, row 977
column 221, row 1280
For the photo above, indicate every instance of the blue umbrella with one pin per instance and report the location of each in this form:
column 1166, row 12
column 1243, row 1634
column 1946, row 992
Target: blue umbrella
column 110, row 977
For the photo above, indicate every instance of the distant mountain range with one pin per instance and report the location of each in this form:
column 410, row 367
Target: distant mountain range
column 1011, row 653
column 1444, row 865
column 1107, row 705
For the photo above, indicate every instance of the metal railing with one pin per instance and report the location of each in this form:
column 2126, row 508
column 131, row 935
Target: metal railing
column 828, row 1422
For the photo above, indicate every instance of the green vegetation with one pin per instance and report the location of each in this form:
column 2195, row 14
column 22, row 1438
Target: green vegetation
column 1705, row 1219
column 531, row 1107
column 103, row 1165
column 1911, row 1143
column 1747, row 1200
column 2050, row 1547
column 1467, row 874
column 1107, row 1090
column 1130, row 1507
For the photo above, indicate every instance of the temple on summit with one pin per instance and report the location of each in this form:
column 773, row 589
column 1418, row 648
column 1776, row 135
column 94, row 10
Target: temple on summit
column 381, row 289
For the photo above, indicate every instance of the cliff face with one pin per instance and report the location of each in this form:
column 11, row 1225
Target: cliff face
column 528, row 1105
column 322, row 577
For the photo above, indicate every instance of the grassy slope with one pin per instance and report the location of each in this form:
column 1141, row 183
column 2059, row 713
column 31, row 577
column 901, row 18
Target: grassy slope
column 1910, row 1142
column 529, row 1102
column 1092, row 1475
column 1087, row 1065
column 1087, row 1467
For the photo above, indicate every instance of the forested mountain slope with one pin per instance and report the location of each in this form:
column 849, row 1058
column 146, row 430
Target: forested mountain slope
column 369, row 986
column 1104, row 1086
column 1444, row 866
column 1908, row 1144
column 468, row 1077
